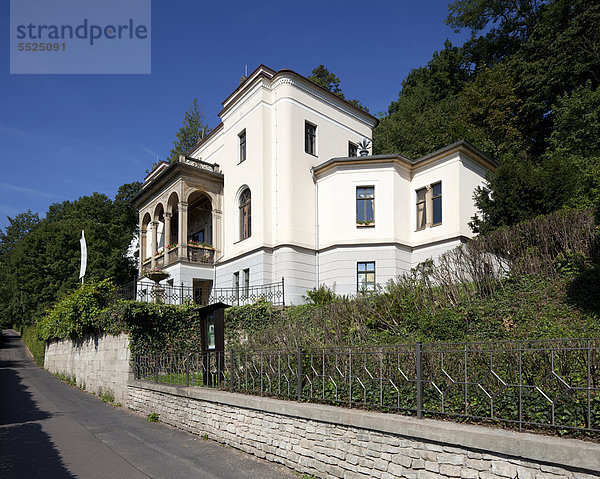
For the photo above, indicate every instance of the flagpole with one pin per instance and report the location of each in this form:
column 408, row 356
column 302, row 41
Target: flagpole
column 83, row 257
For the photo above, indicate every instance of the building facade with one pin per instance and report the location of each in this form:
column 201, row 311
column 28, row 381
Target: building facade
column 285, row 187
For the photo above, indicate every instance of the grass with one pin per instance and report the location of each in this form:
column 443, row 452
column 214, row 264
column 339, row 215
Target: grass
column 107, row 397
column 152, row 417
column 36, row 346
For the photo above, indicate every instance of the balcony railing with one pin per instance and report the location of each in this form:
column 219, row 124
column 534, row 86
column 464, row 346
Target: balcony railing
column 200, row 254
column 195, row 254
column 171, row 294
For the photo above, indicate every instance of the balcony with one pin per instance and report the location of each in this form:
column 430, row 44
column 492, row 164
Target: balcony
column 196, row 253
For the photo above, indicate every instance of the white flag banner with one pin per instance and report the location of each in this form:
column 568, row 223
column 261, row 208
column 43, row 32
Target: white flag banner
column 83, row 255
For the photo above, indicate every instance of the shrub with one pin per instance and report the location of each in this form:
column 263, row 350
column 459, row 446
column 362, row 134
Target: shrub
column 77, row 313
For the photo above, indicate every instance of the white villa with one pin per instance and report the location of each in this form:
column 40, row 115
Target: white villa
column 281, row 188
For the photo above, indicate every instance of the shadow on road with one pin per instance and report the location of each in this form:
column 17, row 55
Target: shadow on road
column 25, row 449
column 28, row 452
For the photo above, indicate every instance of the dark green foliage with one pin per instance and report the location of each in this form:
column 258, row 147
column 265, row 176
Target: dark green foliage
column 77, row 314
column 420, row 121
column 249, row 319
column 534, row 280
column 36, row 345
column 17, row 228
column 152, row 417
column 153, row 327
column 41, row 263
column 321, row 295
column 92, row 309
column 524, row 92
column 328, row 80
column 193, row 130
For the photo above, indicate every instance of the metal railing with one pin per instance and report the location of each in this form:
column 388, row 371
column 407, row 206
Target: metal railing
column 171, row 294
column 548, row 384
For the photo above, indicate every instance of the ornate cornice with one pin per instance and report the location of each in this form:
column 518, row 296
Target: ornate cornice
column 285, row 80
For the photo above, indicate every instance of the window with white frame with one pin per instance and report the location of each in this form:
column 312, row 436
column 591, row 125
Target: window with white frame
column 245, row 212
column 429, row 205
column 242, row 141
column 365, row 205
column 246, row 281
column 236, row 284
column 365, row 276
column 310, row 138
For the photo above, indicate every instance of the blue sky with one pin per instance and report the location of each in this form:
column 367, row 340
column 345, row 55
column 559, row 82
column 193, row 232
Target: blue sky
column 66, row 136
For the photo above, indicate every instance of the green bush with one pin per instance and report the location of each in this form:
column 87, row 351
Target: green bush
column 153, row 327
column 36, row 345
column 77, row 313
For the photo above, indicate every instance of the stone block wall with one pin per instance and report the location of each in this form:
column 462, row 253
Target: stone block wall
column 333, row 442
column 100, row 363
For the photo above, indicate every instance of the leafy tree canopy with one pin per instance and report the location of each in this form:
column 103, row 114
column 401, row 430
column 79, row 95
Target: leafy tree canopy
column 524, row 89
column 328, row 80
column 17, row 227
column 43, row 263
column 193, row 130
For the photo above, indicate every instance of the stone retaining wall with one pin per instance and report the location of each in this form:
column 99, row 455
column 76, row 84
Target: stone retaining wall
column 334, row 442
column 100, row 363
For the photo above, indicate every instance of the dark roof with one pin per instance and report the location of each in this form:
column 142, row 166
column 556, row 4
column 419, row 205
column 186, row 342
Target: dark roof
column 462, row 144
column 211, row 307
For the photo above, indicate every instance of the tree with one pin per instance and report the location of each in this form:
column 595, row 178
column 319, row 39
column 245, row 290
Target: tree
column 193, row 130
column 487, row 112
column 514, row 18
column 422, row 119
column 43, row 264
column 17, row 227
column 325, row 79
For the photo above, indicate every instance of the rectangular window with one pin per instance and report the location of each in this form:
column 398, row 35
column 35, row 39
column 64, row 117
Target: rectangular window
column 246, row 282
column 436, row 200
column 365, row 208
column 352, row 149
column 365, row 276
column 429, row 206
column 236, row 284
column 310, row 138
column 421, row 208
column 242, row 137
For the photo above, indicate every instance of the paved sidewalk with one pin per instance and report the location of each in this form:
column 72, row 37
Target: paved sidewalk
column 51, row 430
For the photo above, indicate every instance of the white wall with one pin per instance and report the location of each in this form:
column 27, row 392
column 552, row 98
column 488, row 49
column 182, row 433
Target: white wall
column 98, row 363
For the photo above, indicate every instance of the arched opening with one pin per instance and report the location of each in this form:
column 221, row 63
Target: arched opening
column 172, row 221
column 245, row 213
column 199, row 231
column 159, row 219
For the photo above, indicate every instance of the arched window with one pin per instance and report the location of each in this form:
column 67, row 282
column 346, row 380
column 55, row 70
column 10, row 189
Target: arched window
column 245, row 214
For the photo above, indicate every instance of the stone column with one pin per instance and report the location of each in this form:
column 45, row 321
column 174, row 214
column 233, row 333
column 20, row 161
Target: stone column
column 167, row 231
column 217, row 220
column 143, row 248
column 154, row 241
column 182, row 233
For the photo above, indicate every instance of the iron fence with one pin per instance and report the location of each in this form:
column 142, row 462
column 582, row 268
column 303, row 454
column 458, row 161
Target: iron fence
column 177, row 295
column 551, row 383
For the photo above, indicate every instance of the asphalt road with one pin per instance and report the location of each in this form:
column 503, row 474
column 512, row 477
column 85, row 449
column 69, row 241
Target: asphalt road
column 51, row 430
